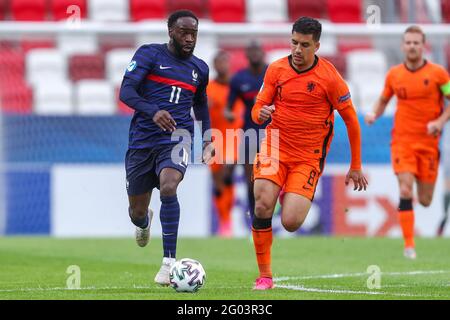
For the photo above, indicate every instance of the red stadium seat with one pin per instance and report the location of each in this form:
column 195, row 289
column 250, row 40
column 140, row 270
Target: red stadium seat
column 16, row 97
column 144, row 9
column 238, row 59
column 29, row 10
column 86, row 67
column 12, row 63
column 227, row 10
column 198, row 7
column 3, row 9
column 340, row 62
column 448, row 57
column 445, row 11
column 345, row 11
column 59, row 8
column 299, row 8
column 29, row 44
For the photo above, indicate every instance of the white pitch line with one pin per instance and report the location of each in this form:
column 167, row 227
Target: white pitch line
column 349, row 275
column 360, row 274
column 317, row 290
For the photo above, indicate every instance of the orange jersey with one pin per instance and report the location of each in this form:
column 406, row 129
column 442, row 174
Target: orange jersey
column 420, row 100
column 304, row 102
column 217, row 100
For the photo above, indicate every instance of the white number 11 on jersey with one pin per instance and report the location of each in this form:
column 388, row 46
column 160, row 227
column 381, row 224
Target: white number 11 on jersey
column 172, row 95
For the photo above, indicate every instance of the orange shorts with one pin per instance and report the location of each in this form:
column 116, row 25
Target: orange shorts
column 418, row 158
column 225, row 154
column 296, row 177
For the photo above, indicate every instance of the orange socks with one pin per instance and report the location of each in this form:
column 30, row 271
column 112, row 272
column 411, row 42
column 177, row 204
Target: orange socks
column 224, row 204
column 262, row 240
column 406, row 217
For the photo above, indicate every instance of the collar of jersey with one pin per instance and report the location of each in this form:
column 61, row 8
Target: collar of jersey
column 316, row 60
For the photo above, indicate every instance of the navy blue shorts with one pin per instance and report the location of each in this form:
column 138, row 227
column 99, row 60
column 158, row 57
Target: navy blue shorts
column 143, row 166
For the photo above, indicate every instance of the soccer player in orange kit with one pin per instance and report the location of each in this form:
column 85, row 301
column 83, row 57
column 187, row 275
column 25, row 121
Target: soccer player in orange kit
column 420, row 87
column 299, row 94
column 226, row 156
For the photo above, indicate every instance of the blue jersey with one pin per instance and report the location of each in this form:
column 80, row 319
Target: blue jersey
column 156, row 80
column 245, row 85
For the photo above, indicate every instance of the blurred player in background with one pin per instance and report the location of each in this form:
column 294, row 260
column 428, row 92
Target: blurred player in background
column 446, row 162
column 245, row 85
column 226, row 154
column 299, row 95
column 420, row 87
column 162, row 83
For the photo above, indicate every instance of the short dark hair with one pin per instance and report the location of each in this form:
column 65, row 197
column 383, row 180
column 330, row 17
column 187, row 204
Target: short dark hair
column 307, row 25
column 180, row 14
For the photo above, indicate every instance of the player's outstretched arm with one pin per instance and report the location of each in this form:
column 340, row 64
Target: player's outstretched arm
column 355, row 173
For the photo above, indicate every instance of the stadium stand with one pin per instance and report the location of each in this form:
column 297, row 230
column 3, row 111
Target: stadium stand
column 348, row 11
column 445, row 9
column 148, row 10
column 227, row 10
column 45, row 65
column 94, row 97
column 116, row 62
column 266, row 11
column 30, row 59
column 29, row 10
column 59, row 8
column 108, row 10
column 77, row 44
column 86, row 66
column 298, row 8
column 196, row 6
column 53, row 98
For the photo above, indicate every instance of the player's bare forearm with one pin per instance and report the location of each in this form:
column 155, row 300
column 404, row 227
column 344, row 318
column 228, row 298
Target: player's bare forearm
column 435, row 127
column 378, row 110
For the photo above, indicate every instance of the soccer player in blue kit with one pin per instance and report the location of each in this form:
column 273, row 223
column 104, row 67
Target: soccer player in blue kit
column 162, row 83
column 245, row 85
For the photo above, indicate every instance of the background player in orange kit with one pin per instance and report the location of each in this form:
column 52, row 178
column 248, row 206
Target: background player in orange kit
column 299, row 94
column 222, row 165
column 420, row 87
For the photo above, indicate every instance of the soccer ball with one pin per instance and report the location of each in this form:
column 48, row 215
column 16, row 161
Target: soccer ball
column 187, row 275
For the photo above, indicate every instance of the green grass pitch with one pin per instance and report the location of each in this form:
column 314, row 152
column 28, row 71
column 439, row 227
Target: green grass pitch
column 303, row 267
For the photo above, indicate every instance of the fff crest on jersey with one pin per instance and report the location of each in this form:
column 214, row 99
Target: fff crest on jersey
column 194, row 75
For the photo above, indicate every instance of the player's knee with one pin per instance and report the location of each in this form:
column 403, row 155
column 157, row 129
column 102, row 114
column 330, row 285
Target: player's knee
column 262, row 209
column 425, row 200
column 406, row 191
column 168, row 188
column 291, row 224
column 137, row 211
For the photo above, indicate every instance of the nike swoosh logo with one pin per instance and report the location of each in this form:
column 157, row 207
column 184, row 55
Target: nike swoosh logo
column 162, row 68
column 167, row 234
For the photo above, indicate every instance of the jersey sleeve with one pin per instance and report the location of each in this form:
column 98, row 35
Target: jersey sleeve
column 141, row 64
column 388, row 90
column 200, row 104
column 443, row 81
column 266, row 94
column 338, row 92
column 268, row 89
